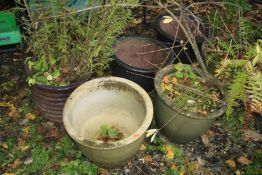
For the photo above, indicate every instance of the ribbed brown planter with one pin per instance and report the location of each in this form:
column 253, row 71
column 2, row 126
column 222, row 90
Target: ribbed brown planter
column 50, row 100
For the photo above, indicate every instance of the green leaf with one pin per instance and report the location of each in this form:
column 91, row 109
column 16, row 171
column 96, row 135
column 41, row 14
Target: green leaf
column 52, row 61
column 192, row 75
column 112, row 133
column 56, row 74
column 30, row 64
column 179, row 67
column 171, row 172
column 31, row 81
column 49, row 77
column 179, row 74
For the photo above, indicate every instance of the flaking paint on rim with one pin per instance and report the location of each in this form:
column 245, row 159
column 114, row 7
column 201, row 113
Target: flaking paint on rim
column 92, row 85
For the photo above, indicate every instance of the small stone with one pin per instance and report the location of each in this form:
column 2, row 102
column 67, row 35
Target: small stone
column 28, row 161
column 205, row 139
column 23, row 122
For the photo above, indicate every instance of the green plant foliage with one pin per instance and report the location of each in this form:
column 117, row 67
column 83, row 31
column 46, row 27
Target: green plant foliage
column 185, row 88
column 74, row 47
column 254, row 87
column 171, row 172
column 79, row 167
column 67, row 148
column 249, row 31
column 109, row 133
column 228, row 68
column 242, row 5
column 40, row 157
column 253, row 169
column 236, row 91
column 246, row 84
column 227, row 14
column 219, row 51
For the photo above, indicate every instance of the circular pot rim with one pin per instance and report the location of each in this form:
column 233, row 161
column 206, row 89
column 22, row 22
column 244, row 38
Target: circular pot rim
column 92, row 85
column 168, row 101
column 170, row 59
column 162, row 32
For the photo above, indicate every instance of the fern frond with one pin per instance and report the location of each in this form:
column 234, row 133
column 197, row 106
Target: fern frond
column 254, row 89
column 227, row 67
column 236, row 92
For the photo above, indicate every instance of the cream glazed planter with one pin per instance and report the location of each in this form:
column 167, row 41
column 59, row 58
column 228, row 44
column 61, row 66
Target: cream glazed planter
column 110, row 101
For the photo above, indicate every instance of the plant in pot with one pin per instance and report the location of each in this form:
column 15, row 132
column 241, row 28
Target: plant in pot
column 186, row 106
column 108, row 118
column 68, row 51
column 188, row 99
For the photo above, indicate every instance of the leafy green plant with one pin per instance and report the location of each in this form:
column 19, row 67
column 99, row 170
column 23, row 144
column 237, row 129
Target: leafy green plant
column 40, row 158
column 186, row 89
column 66, row 147
column 79, row 167
column 109, row 133
column 74, row 47
column 226, row 13
column 236, row 92
column 246, row 79
column 249, row 30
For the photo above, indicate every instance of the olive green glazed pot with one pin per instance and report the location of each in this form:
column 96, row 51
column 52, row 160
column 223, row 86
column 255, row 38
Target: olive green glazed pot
column 111, row 101
column 185, row 126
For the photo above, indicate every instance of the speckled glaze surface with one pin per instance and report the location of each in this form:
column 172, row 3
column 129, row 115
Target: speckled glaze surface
column 110, row 101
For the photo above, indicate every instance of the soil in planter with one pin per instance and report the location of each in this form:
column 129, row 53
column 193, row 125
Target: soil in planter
column 171, row 27
column 109, row 134
column 141, row 54
column 189, row 92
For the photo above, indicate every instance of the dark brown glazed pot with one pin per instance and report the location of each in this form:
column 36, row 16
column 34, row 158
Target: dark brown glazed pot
column 171, row 32
column 129, row 63
column 50, row 100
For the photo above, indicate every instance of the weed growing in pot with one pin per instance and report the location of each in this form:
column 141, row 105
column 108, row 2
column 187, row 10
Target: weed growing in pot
column 189, row 91
column 109, row 134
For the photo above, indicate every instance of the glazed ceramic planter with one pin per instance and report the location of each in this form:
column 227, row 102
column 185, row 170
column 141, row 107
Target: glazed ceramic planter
column 139, row 58
column 171, row 32
column 50, row 100
column 185, row 126
column 110, row 101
